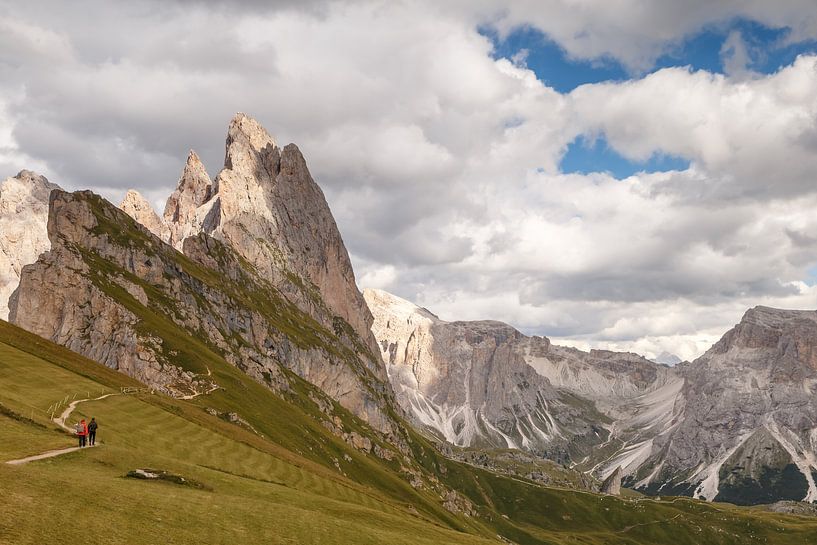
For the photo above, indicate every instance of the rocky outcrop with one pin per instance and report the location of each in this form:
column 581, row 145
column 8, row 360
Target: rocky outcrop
column 137, row 207
column 265, row 205
column 612, row 484
column 23, row 235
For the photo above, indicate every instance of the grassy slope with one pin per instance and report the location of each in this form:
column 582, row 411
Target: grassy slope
column 267, row 494
column 265, row 491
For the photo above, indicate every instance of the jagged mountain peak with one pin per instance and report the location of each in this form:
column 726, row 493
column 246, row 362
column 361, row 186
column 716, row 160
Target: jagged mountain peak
column 247, row 141
column 265, row 205
column 23, row 234
column 242, row 125
column 138, row 207
column 377, row 298
column 182, row 214
column 193, row 160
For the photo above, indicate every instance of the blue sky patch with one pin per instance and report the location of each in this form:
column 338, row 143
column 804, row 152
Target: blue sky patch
column 811, row 276
column 767, row 48
column 584, row 156
column 550, row 62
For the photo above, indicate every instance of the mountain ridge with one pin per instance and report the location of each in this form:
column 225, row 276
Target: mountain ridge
column 109, row 286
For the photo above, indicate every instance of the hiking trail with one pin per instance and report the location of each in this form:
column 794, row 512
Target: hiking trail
column 60, row 421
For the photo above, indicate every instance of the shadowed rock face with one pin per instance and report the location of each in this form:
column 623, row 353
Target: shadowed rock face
column 23, row 235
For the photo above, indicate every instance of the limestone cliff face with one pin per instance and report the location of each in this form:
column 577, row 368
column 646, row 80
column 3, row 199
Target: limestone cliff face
column 182, row 214
column 264, row 224
column 470, row 383
column 23, row 235
column 267, row 206
column 58, row 300
column 749, row 429
column 738, row 424
column 112, row 290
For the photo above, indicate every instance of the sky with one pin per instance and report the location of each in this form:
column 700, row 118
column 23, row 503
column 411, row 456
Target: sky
column 621, row 174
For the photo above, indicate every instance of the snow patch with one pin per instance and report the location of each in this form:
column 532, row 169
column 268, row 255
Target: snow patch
column 710, row 483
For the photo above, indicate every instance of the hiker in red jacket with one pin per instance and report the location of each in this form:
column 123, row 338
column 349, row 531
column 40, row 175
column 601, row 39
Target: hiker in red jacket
column 82, row 432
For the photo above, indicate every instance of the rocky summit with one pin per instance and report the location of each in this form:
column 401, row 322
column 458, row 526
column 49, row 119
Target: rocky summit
column 737, row 424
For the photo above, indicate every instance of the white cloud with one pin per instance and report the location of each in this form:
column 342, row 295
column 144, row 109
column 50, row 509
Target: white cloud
column 750, row 138
column 441, row 164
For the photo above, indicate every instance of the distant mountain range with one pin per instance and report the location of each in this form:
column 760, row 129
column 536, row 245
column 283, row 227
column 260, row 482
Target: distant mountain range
column 667, row 359
column 738, row 424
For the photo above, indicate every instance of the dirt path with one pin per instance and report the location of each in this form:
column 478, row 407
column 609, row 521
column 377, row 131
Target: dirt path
column 628, row 528
column 49, row 454
column 60, row 421
column 197, row 394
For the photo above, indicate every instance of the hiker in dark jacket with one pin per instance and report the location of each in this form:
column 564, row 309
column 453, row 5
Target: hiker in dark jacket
column 92, row 426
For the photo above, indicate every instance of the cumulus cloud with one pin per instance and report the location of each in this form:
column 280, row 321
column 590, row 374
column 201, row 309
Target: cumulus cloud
column 636, row 32
column 441, row 163
column 750, row 138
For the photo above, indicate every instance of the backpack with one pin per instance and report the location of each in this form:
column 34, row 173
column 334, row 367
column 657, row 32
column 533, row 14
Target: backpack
column 78, row 428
